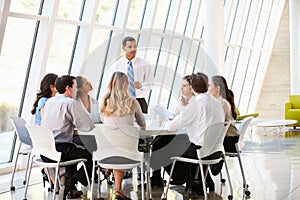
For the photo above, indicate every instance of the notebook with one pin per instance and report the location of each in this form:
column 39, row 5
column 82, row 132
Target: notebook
column 95, row 114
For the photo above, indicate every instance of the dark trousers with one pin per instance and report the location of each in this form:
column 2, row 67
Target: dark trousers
column 143, row 104
column 165, row 147
column 69, row 152
column 229, row 143
column 144, row 107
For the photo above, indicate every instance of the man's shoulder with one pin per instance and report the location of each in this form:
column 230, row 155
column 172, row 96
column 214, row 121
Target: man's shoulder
column 60, row 99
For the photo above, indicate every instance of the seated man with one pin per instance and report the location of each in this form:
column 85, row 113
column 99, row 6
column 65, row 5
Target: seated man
column 164, row 147
column 62, row 114
column 197, row 116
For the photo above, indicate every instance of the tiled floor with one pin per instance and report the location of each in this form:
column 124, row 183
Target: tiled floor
column 271, row 162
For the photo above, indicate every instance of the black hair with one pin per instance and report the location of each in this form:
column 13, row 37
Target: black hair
column 62, row 82
column 128, row 38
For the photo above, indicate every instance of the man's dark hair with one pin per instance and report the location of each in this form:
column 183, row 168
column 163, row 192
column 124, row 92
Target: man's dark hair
column 128, row 38
column 62, row 82
column 199, row 82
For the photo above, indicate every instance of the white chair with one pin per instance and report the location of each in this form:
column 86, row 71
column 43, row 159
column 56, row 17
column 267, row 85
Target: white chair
column 242, row 129
column 43, row 143
column 24, row 138
column 213, row 142
column 117, row 148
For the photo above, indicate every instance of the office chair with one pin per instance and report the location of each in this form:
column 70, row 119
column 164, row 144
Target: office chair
column 213, row 142
column 242, row 129
column 43, row 143
column 24, row 138
column 117, row 148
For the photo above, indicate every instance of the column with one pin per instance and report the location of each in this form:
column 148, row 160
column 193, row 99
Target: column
column 214, row 37
column 294, row 46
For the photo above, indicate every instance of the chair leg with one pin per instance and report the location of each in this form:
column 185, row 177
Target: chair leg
column 28, row 178
column 56, row 181
column 165, row 194
column 12, row 187
column 245, row 185
column 142, row 180
column 99, row 183
column 230, row 196
column 93, row 178
column 26, row 172
column 203, row 179
column 86, row 175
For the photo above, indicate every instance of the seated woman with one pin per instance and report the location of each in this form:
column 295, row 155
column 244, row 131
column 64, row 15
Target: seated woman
column 90, row 104
column 46, row 91
column 218, row 88
column 119, row 108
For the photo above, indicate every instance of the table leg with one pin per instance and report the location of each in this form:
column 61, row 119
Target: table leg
column 147, row 159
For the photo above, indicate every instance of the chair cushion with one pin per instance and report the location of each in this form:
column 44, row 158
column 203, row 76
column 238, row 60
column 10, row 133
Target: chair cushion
column 118, row 160
column 294, row 111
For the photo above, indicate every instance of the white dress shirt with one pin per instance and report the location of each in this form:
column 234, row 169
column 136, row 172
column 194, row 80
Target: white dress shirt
column 62, row 114
column 197, row 116
column 142, row 73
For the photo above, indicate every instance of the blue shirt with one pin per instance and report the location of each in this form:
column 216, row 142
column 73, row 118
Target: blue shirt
column 41, row 104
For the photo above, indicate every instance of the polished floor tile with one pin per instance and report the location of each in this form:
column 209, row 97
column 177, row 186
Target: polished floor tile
column 271, row 162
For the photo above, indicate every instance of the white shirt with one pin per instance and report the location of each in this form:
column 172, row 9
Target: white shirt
column 179, row 107
column 95, row 109
column 197, row 116
column 142, row 73
column 62, row 114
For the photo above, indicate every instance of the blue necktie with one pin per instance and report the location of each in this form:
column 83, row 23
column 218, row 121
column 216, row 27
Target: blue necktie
column 130, row 75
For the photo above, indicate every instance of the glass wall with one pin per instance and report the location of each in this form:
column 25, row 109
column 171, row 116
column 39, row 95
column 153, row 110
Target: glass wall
column 84, row 38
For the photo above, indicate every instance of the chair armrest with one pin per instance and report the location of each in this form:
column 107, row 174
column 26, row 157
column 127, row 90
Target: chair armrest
column 288, row 105
column 241, row 117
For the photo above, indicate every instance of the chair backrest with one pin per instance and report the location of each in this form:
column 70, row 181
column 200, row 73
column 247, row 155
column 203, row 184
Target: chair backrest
column 21, row 130
column 295, row 100
column 43, row 142
column 242, row 130
column 115, row 141
column 213, row 139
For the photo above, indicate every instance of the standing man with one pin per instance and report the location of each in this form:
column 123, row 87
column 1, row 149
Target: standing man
column 62, row 114
column 139, row 72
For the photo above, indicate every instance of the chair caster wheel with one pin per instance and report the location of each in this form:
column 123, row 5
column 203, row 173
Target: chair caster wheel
column 24, row 182
column 12, row 188
column 230, row 197
column 247, row 193
column 50, row 190
column 223, row 180
column 164, row 199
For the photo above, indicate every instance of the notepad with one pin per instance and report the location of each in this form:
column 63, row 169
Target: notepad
column 95, row 113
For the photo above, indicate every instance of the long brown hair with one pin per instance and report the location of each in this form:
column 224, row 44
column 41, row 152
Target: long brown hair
column 45, row 90
column 117, row 101
column 225, row 92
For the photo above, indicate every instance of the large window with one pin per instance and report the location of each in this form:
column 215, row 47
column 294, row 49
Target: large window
column 84, row 38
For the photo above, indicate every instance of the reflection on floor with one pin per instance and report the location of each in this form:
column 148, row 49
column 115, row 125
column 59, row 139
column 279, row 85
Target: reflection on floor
column 271, row 163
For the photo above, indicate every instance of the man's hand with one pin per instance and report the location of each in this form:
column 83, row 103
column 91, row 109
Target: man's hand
column 137, row 84
column 184, row 101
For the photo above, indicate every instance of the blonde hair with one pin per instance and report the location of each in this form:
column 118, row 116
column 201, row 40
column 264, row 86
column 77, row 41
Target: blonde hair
column 117, row 101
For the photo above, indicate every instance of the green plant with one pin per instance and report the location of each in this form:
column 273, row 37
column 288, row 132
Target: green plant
column 6, row 110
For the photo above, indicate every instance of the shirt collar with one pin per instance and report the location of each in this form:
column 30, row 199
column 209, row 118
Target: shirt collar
column 200, row 95
column 132, row 60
